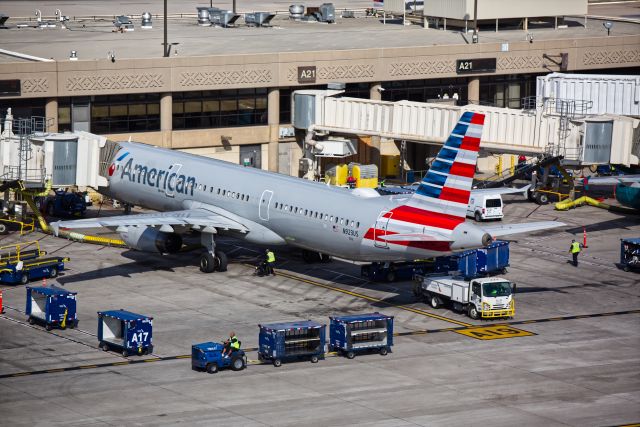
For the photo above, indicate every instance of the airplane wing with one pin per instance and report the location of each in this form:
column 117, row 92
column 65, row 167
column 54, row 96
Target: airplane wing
column 415, row 237
column 191, row 217
column 500, row 191
column 503, row 230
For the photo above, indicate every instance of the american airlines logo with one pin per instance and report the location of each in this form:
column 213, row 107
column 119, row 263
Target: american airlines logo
column 167, row 180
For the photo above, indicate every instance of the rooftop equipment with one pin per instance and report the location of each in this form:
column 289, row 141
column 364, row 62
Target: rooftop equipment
column 146, row 21
column 203, row 17
column 327, row 13
column 296, row 12
column 3, row 19
column 222, row 18
column 259, row 19
column 123, row 23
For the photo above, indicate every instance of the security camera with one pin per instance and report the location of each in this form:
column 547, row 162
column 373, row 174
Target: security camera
column 530, row 37
column 112, row 55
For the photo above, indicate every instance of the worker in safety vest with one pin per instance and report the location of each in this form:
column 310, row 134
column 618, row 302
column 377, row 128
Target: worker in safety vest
column 270, row 262
column 231, row 345
column 574, row 249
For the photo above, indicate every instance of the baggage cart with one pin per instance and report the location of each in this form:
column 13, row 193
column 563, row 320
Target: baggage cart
column 126, row 332
column 492, row 259
column 280, row 342
column 630, row 254
column 207, row 356
column 20, row 271
column 51, row 306
column 350, row 335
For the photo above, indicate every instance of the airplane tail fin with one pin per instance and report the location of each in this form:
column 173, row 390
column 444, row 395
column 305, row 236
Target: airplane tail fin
column 446, row 187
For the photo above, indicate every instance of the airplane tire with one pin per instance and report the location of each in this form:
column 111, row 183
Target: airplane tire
column 542, row 199
column 3, row 228
column 310, row 256
column 221, row 261
column 207, row 263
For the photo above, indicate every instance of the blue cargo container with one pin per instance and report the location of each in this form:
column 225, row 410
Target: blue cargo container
column 350, row 335
column 630, row 254
column 207, row 356
column 124, row 331
column 492, row 259
column 287, row 341
column 52, row 306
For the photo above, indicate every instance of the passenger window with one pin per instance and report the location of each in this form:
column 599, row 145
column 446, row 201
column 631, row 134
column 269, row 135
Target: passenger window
column 336, row 220
column 295, row 210
column 306, row 211
column 224, row 192
column 358, row 224
column 247, row 198
column 218, row 191
column 326, row 217
column 331, row 218
column 352, row 223
column 342, row 221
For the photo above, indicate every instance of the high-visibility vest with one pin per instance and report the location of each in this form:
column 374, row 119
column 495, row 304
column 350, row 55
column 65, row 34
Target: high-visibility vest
column 575, row 247
column 235, row 344
column 271, row 257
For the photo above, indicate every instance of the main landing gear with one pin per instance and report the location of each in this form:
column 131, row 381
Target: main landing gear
column 311, row 257
column 212, row 260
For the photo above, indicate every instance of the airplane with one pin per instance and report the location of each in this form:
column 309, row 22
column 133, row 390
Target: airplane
column 627, row 189
column 213, row 197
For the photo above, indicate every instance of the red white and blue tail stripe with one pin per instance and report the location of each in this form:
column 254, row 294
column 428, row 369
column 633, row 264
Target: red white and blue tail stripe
column 447, row 186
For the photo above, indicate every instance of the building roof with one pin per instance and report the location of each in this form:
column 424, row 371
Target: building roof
column 94, row 38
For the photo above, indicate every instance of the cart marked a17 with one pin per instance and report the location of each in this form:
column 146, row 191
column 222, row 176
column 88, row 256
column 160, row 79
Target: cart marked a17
column 494, row 332
column 143, row 337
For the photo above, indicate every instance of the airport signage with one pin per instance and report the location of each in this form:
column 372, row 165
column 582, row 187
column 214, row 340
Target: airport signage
column 307, row 74
column 476, row 65
column 494, row 332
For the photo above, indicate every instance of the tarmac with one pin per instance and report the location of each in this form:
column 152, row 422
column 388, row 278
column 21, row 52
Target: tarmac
column 569, row 357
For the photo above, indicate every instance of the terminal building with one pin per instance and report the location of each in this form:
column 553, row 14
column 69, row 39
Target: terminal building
column 226, row 92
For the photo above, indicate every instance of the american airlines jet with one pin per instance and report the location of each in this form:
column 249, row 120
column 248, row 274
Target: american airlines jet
column 212, row 198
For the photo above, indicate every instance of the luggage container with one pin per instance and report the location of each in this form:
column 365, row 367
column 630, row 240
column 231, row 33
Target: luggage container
column 361, row 333
column 207, row 356
column 630, row 254
column 51, row 306
column 492, row 259
column 289, row 341
column 121, row 330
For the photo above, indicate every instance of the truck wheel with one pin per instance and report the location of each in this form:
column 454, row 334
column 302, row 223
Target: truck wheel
column 31, row 320
column 48, row 327
column 277, row 363
column 125, row 353
column 3, row 228
column 104, row 346
column 53, row 273
column 542, row 199
column 435, row 301
column 212, row 368
column 473, row 312
column 478, row 217
column 237, row 364
column 384, row 351
column 24, row 279
column 314, row 359
column 350, row 355
column 626, row 268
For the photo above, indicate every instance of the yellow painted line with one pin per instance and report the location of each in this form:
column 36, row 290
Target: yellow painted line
column 372, row 299
column 21, row 374
column 55, row 370
column 631, row 425
column 184, row 356
column 152, row 360
column 120, row 363
column 494, row 332
column 88, row 367
column 554, row 319
column 529, row 321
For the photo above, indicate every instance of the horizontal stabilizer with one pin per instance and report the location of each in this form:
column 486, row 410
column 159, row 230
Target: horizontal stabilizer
column 503, row 230
column 415, row 237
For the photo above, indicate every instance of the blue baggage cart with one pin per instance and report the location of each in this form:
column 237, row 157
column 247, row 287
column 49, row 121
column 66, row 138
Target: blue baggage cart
column 207, row 356
column 492, row 259
column 630, row 254
column 360, row 333
column 51, row 306
column 121, row 330
column 288, row 341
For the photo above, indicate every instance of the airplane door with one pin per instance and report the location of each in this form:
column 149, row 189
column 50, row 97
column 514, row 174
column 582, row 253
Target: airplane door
column 265, row 202
column 172, row 179
column 381, row 229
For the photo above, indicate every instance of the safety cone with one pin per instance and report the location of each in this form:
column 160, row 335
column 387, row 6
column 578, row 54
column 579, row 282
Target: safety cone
column 584, row 237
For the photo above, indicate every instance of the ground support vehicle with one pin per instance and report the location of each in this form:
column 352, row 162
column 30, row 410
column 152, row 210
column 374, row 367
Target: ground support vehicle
column 51, row 306
column 352, row 335
column 23, row 271
column 492, row 259
column 288, row 341
column 487, row 298
column 207, row 356
column 484, row 207
column 630, row 254
column 124, row 331
column 392, row 271
column 66, row 204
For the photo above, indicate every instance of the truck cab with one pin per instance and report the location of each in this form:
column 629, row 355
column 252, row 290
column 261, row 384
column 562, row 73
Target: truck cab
column 486, row 298
column 484, row 207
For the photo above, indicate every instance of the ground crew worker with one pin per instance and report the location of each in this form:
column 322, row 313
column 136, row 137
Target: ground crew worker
column 231, row 345
column 271, row 260
column 575, row 250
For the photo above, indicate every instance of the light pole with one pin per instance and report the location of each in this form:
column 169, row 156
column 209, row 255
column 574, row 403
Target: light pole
column 166, row 45
column 474, row 37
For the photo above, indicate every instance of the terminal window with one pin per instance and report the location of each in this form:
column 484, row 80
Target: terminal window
column 219, row 108
column 9, row 87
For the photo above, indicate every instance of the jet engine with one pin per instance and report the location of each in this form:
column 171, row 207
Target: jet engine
column 149, row 239
column 469, row 236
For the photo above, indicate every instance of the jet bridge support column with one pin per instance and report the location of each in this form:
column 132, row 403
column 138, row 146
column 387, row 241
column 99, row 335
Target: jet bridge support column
column 273, row 118
column 51, row 112
column 166, row 119
column 473, row 90
column 375, row 94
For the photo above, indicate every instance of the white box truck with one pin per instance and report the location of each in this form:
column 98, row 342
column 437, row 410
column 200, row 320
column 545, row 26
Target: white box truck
column 489, row 297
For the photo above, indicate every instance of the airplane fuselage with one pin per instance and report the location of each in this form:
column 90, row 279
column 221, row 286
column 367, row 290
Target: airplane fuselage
column 306, row 214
